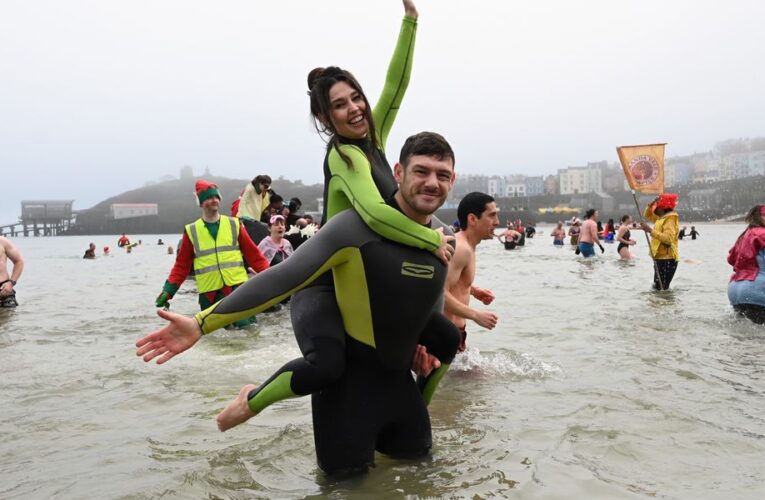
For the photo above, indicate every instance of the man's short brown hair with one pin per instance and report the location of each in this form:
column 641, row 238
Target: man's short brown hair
column 427, row 144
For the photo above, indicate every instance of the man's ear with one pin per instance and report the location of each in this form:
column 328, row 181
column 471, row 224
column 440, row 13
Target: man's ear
column 398, row 172
column 471, row 218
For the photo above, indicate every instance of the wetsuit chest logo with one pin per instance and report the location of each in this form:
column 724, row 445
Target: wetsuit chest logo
column 417, row 270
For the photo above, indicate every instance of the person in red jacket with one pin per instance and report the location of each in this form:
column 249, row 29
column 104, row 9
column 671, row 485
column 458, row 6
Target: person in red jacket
column 217, row 250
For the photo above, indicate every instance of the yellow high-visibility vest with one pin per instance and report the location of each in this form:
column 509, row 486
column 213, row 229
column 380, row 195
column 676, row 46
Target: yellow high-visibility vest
column 217, row 262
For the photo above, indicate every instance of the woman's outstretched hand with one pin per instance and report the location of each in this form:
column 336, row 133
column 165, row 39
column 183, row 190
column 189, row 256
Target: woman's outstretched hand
column 180, row 334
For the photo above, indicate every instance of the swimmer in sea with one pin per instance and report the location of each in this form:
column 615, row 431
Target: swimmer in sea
column 624, row 237
column 608, row 231
column 90, row 253
column 746, row 289
column 511, row 237
column 389, row 297
column 558, row 234
column 574, row 231
column 478, row 216
column 588, row 238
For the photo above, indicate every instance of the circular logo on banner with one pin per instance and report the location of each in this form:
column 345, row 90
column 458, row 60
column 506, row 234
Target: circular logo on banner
column 644, row 169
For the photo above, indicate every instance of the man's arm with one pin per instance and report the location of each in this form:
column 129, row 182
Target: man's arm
column 14, row 256
column 483, row 294
column 452, row 305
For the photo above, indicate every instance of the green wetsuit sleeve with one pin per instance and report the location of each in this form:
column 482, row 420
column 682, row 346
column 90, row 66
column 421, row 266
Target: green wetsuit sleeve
column 358, row 188
column 396, row 81
column 329, row 248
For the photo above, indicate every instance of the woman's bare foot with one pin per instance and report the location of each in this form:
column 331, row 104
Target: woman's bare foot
column 237, row 411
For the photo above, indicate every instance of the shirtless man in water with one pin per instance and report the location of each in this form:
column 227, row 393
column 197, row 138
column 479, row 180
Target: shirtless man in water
column 478, row 216
column 7, row 283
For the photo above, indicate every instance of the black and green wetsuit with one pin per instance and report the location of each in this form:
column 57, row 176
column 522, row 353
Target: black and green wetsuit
column 389, row 300
column 363, row 187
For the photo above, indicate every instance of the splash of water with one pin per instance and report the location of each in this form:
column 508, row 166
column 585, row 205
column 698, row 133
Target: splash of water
column 521, row 365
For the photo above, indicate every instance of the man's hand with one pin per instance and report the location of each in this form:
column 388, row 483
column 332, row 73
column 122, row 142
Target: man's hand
column 163, row 300
column 482, row 294
column 486, row 319
column 179, row 335
column 423, row 363
column 409, row 9
column 445, row 251
column 6, row 289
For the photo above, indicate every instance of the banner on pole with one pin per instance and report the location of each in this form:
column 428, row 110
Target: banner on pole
column 643, row 167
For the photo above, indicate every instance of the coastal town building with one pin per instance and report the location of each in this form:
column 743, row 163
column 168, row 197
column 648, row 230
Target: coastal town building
column 575, row 180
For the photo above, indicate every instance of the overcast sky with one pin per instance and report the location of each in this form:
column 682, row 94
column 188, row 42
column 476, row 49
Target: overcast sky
column 98, row 97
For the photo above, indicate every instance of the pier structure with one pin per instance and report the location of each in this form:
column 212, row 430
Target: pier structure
column 41, row 218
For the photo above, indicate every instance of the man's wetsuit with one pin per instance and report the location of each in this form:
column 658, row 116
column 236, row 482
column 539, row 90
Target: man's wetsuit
column 389, row 298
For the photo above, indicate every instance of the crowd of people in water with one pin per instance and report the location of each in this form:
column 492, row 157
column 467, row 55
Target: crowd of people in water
column 378, row 248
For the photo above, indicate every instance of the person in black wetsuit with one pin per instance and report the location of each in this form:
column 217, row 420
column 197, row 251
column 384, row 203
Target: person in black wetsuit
column 694, row 233
column 389, row 298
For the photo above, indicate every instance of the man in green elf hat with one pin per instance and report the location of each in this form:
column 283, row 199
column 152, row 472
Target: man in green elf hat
column 216, row 250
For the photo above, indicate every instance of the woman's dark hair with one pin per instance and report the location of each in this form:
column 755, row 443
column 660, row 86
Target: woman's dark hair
column 624, row 218
column 261, row 179
column 473, row 203
column 754, row 219
column 320, row 81
column 589, row 213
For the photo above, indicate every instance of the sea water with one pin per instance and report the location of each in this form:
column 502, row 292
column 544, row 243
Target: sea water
column 591, row 386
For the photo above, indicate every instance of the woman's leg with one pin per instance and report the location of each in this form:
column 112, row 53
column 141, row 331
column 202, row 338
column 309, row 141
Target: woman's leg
column 320, row 334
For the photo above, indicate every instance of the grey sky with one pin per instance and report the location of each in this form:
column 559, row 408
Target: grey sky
column 98, row 97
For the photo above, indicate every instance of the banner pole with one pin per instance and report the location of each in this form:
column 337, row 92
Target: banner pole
column 648, row 240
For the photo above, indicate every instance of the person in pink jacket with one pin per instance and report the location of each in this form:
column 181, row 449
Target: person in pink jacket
column 746, row 289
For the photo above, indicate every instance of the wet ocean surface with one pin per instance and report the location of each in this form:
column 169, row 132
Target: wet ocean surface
column 591, row 386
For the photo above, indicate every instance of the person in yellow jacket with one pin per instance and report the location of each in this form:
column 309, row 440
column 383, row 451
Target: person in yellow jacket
column 664, row 237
